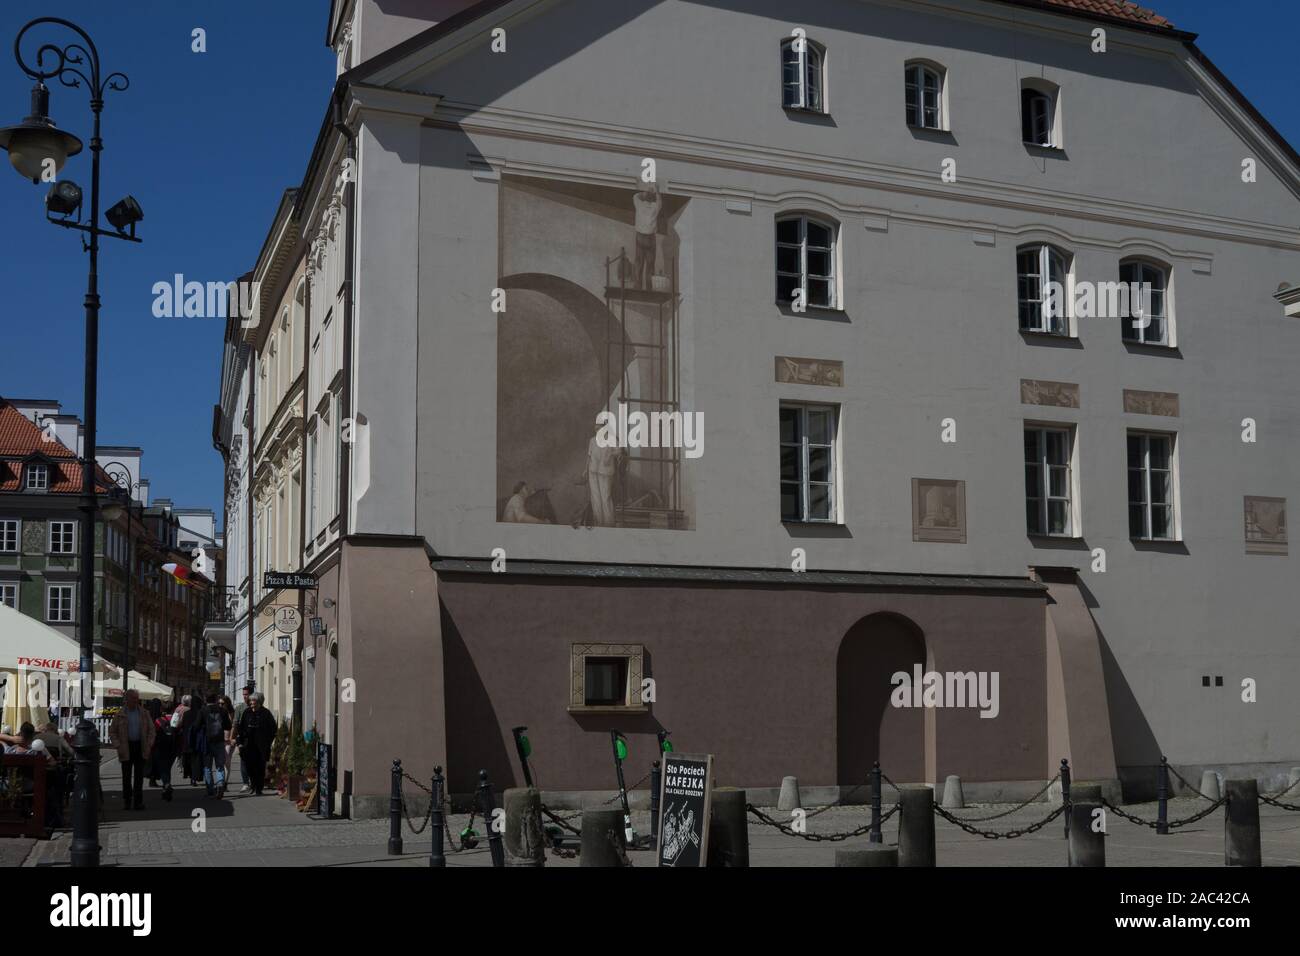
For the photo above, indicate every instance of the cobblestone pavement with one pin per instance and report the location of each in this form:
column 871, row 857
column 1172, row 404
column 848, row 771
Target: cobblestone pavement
column 252, row 831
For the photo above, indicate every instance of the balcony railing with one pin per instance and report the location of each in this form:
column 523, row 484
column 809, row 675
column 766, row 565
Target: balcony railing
column 224, row 606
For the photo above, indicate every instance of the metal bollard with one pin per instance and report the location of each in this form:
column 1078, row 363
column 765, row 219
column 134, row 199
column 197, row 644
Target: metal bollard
column 437, row 857
column 1162, row 796
column 1087, row 846
column 395, row 811
column 488, row 808
column 655, row 774
column 1065, row 794
column 875, row 836
column 916, row 827
column 1241, row 845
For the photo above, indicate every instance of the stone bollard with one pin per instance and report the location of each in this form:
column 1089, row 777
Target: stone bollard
column 1241, row 824
column 602, row 838
column 728, row 829
column 1087, row 846
column 1210, row 784
column 525, row 840
column 916, row 827
column 874, row 855
column 952, row 795
column 789, row 799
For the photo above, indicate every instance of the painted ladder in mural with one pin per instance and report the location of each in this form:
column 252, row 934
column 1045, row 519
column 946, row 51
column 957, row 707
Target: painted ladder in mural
column 648, row 353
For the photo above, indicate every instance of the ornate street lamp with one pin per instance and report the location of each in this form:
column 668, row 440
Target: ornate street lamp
column 38, row 149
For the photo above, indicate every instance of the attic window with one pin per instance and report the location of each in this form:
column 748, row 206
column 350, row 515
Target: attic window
column 38, row 477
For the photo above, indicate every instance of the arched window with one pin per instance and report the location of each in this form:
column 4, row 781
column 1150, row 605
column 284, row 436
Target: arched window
column 1039, row 119
column 802, row 79
column 1041, row 291
column 1147, row 319
column 923, row 95
column 805, row 261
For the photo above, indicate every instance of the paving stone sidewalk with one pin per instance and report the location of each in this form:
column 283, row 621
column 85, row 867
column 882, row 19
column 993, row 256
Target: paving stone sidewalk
column 244, row 830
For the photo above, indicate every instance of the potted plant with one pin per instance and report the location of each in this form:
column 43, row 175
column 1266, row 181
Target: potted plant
column 275, row 770
column 296, row 765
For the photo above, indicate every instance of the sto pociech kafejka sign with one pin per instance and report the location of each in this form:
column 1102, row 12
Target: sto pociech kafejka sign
column 684, row 799
column 288, row 579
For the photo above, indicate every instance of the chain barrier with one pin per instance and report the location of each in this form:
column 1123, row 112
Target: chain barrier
column 994, row 834
column 1172, row 824
column 428, row 814
column 842, row 801
column 562, row 821
column 1278, row 803
column 818, row 837
column 1186, row 783
column 1007, row 813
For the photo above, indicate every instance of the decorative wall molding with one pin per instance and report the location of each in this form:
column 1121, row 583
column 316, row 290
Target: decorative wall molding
column 1265, row 520
column 1138, row 402
column 939, row 510
column 1036, row 391
column 807, row 371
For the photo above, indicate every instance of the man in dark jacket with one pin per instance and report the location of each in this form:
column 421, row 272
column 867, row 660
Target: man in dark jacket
column 255, row 734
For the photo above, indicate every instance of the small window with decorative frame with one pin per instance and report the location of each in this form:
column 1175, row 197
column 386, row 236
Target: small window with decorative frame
column 607, row 678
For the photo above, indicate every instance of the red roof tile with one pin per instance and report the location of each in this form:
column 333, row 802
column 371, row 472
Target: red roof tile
column 1116, row 9
column 21, row 438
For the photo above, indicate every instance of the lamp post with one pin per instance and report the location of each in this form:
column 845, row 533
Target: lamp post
column 38, row 150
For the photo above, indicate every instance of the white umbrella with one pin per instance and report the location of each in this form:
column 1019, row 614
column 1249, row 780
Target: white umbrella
column 29, row 647
column 138, row 682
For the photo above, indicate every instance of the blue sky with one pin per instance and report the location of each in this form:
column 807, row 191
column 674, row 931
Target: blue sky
column 208, row 142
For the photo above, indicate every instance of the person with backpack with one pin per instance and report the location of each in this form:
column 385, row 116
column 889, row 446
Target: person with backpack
column 213, row 724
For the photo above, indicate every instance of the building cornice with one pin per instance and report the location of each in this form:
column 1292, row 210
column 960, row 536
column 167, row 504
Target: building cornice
column 815, row 167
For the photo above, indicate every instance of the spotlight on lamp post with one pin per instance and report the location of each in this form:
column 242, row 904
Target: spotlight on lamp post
column 64, row 199
column 38, row 150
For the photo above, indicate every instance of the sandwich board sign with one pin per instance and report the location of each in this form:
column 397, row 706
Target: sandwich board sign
column 685, row 796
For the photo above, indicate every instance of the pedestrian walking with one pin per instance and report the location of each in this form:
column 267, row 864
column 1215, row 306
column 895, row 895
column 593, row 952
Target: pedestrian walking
column 133, row 731
column 229, row 710
column 165, row 751
column 256, row 734
column 214, row 724
column 239, row 713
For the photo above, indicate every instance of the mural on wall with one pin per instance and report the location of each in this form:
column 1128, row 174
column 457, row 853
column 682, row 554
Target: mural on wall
column 592, row 324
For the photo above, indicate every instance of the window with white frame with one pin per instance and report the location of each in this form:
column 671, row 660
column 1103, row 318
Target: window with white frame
column 9, row 535
column 63, row 537
column 58, row 603
column 802, row 79
column 1041, row 293
column 1038, row 120
column 38, row 477
column 1151, row 514
column 9, row 594
column 1147, row 321
column 923, row 96
column 1048, row 481
column 809, row 436
column 805, row 261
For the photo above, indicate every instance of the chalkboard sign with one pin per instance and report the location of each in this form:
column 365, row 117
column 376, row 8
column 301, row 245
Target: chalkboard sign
column 324, row 772
column 685, row 795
